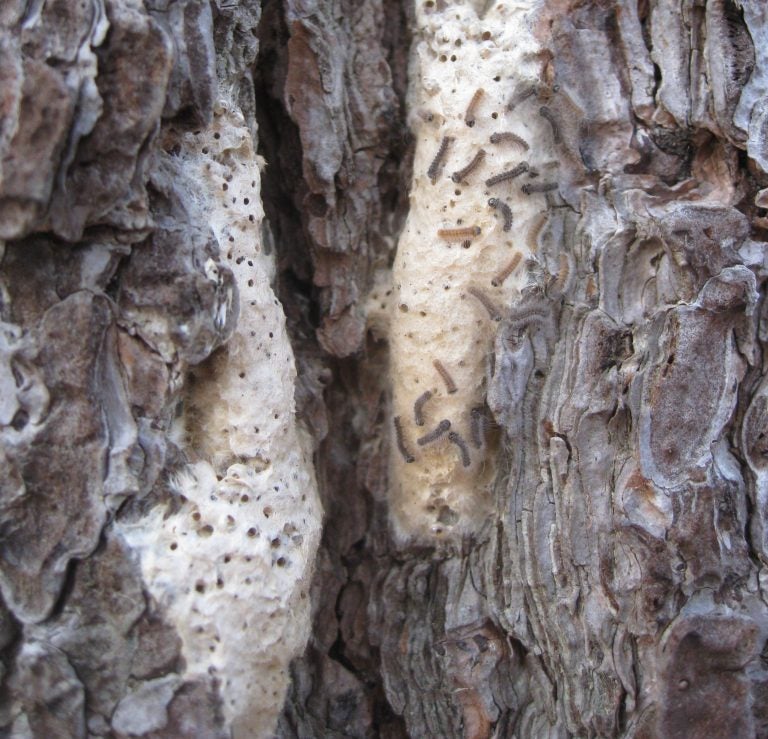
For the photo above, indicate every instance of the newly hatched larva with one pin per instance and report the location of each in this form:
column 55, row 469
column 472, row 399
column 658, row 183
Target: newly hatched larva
column 521, row 94
column 460, row 174
column 402, row 448
column 506, row 211
column 562, row 274
column 521, row 318
column 459, row 234
column 435, row 434
column 507, row 137
column 437, row 162
column 510, row 174
column 545, row 112
column 537, row 272
column 480, row 422
column 532, row 239
column 469, row 116
column 486, row 302
column 461, row 444
column 429, row 116
column 418, row 407
column 531, row 187
column 502, row 275
column 450, row 385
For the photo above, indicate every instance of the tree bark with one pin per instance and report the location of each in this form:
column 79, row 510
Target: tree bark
column 317, row 421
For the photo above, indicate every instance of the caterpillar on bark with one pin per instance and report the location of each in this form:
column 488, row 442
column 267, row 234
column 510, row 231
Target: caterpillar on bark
column 504, row 137
column 531, row 187
column 418, row 407
column 435, row 434
column 486, row 303
column 450, row 385
column 508, row 175
column 545, row 112
column 402, row 448
column 462, row 445
column 502, row 275
column 437, row 162
column 459, row 234
column 460, row 174
column 506, row 211
column 469, row 116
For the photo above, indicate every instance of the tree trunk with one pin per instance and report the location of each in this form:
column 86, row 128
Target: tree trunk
column 384, row 368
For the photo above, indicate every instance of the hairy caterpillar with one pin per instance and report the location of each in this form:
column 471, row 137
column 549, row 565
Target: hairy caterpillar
column 436, row 166
column 545, row 112
column 506, row 271
column 508, row 175
column 530, row 187
column 435, row 434
column 479, row 423
column 460, row 174
column 486, row 302
column 450, row 385
column 458, row 234
column 562, row 274
column 461, row 444
column 469, row 116
column 521, row 94
column 402, row 448
column 505, row 210
column 533, row 233
column 503, row 137
column 418, row 407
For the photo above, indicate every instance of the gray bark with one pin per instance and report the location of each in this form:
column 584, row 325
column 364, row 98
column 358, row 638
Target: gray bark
column 613, row 585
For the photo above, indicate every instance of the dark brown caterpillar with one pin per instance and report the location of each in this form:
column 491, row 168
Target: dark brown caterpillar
column 469, row 116
column 458, row 234
column 461, row 444
column 450, row 385
column 460, row 174
column 402, row 448
column 435, row 434
column 508, row 175
column 521, row 94
column 545, row 112
column 418, row 407
column 507, row 271
column 503, row 137
column 437, row 162
column 486, row 302
column 479, row 424
column 530, row 187
column 506, row 211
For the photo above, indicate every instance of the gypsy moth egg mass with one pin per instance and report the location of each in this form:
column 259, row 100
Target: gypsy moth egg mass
column 464, row 71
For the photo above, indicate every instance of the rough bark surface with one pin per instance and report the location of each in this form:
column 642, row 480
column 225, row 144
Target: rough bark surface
column 200, row 210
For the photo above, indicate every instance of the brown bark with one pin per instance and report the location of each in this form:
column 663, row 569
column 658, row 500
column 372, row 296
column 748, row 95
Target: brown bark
column 613, row 584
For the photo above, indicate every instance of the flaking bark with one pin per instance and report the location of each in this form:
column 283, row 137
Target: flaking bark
column 614, row 589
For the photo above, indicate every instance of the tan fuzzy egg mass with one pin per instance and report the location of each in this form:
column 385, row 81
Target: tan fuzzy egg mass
column 231, row 563
column 459, row 262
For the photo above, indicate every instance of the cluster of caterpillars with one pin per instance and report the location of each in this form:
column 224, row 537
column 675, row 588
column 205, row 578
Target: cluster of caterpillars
column 480, row 421
column 443, row 428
